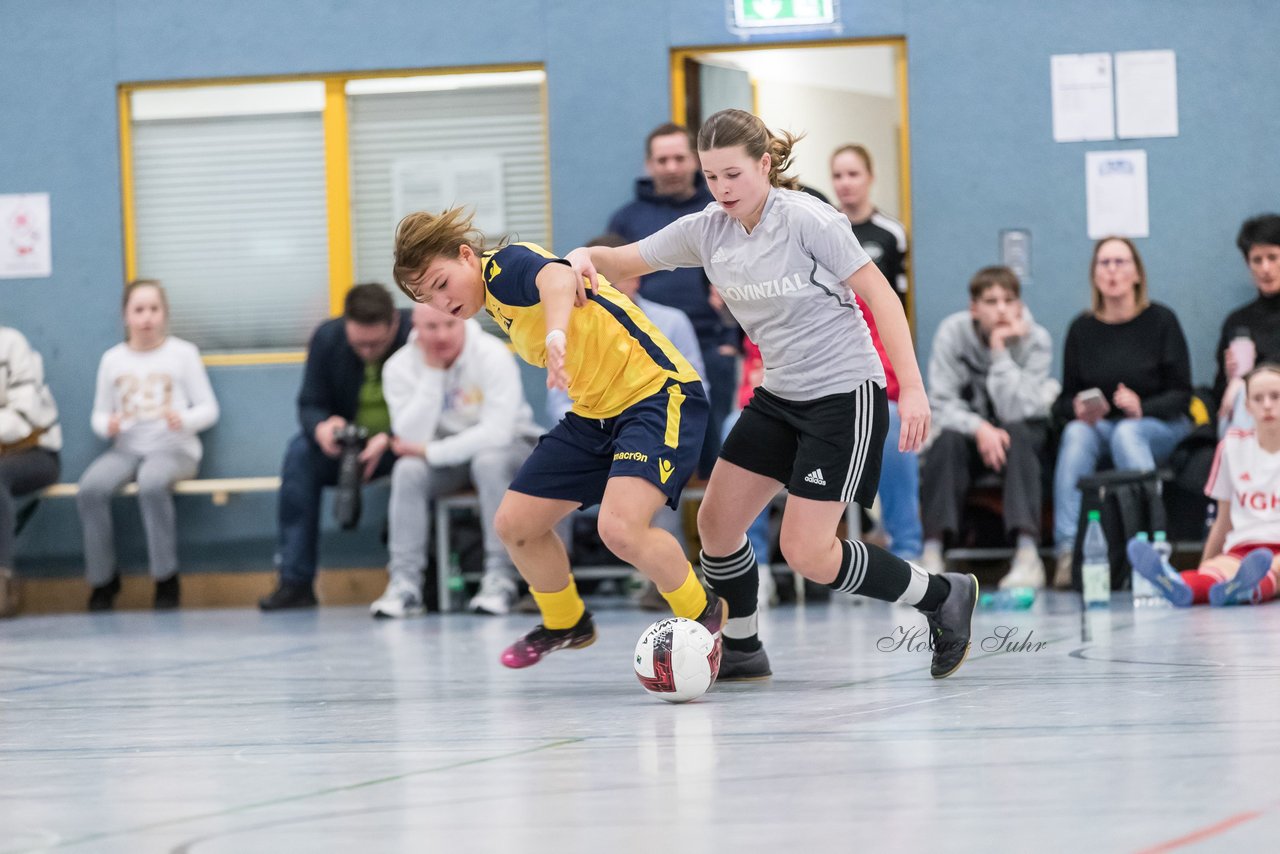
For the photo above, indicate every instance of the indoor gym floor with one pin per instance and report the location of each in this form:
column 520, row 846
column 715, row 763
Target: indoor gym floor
column 234, row 731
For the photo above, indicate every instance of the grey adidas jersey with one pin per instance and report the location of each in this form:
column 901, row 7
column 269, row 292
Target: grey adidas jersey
column 784, row 282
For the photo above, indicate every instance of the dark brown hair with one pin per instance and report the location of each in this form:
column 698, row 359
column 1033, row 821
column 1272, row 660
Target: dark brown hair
column 668, row 129
column 994, row 277
column 369, row 303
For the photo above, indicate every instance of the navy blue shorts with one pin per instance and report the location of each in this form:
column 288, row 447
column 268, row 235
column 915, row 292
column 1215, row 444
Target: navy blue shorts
column 657, row 439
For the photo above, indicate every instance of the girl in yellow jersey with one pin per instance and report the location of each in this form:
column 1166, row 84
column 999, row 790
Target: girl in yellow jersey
column 629, row 444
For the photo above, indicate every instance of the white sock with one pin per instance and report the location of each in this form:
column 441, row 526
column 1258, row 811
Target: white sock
column 1026, row 543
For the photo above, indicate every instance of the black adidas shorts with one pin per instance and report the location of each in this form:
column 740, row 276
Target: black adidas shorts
column 827, row 449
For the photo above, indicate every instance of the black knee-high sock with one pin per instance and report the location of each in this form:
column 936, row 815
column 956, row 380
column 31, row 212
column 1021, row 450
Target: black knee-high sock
column 871, row 571
column 736, row 578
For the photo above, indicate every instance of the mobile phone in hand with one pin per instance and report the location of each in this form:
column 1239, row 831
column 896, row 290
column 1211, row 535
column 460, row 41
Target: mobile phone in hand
column 1093, row 401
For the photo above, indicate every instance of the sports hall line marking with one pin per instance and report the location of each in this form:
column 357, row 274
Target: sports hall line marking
column 1207, row 832
column 185, row 665
column 332, row 790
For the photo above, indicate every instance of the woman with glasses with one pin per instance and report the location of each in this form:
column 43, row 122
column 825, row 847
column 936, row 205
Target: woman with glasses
column 1126, row 386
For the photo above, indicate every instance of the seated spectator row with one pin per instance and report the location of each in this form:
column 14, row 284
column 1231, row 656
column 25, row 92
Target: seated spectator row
column 436, row 403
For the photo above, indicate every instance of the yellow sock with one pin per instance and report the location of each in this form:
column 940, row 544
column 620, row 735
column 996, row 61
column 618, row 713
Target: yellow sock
column 561, row 609
column 688, row 600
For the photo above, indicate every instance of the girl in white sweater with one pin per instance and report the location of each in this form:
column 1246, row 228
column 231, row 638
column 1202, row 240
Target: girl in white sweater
column 153, row 397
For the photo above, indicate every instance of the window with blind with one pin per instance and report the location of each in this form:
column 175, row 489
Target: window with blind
column 479, row 143
column 229, row 212
column 230, row 189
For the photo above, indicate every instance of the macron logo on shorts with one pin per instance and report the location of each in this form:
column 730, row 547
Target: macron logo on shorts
column 719, row 256
column 815, row 476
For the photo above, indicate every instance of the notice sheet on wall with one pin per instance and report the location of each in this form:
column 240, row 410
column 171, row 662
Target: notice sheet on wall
column 25, row 251
column 1146, row 93
column 1116, row 193
column 435, row 184
column 1082, row 105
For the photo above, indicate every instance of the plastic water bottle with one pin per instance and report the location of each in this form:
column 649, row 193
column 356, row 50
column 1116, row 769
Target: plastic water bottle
column 1144, row 592
column 1096, row 571
column 1013, row 599
column 1164, row 548
column 457, row 584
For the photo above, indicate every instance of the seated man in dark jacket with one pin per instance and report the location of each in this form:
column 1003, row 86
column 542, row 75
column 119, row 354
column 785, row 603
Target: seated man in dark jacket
column 342, row 385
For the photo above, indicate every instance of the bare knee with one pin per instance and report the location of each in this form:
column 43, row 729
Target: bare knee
column 512, row 527
column 716, row 537
column 620, row 534
column 802, row 553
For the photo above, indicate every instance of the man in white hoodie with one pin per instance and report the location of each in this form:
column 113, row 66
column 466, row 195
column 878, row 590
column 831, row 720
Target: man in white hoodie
column 990, row 393
column 459, row 420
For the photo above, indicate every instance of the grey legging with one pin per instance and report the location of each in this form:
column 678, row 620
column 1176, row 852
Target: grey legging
column 156, row 474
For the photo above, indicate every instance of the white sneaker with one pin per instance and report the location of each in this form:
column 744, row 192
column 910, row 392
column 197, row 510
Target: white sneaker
column 1027, row 570
column 401, row 599
column 932, row 561
column 496, row 596
column 768, row 593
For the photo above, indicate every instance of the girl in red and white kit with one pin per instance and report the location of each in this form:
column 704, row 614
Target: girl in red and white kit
column 1241, row 562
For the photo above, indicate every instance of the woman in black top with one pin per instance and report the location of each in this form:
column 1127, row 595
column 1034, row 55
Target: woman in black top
column 1259, row 321
column 1126, row 386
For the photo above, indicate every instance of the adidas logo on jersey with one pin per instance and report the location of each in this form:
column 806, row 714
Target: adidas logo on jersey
column 719, row 256
column 815, row 476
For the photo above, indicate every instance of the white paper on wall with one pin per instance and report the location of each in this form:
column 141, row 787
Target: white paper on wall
column 25, row 243
column 1116, row 193
column 1146, row 93
column 1081, row 89
column 434, row 185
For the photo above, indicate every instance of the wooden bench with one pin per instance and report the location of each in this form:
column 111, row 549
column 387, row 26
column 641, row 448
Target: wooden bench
column 219, row 489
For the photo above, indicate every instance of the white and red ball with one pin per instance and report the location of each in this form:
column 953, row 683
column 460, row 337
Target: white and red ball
column 677, row 660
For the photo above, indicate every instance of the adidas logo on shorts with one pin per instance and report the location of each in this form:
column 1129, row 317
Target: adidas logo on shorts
column 719, row 256
column 815, row 476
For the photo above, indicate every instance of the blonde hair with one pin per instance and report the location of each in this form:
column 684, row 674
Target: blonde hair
column 1260, row 368
column 1140, row 297
column 729, row 128
column 422, row 236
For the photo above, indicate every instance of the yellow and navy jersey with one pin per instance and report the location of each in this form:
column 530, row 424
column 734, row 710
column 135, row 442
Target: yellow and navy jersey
column 614, row 355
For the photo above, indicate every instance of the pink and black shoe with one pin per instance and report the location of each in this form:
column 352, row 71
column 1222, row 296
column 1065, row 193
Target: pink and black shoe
column 540, row 642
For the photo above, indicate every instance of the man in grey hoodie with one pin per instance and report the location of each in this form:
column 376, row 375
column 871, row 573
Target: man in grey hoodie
column 990, row 392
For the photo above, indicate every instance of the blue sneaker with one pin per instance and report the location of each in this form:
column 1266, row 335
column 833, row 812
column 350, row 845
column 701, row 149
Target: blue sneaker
column 1239, row 590
column 1147, row 563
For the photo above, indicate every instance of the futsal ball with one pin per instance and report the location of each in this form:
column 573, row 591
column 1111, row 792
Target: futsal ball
column 677, row 660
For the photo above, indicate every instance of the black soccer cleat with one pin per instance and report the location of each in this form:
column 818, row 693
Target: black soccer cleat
column 951, row 624
column 737, row 665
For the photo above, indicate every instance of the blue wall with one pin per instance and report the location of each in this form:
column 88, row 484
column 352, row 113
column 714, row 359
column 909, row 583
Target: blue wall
column 982, row 159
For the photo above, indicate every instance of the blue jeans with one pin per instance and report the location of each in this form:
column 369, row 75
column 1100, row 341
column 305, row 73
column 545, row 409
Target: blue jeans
column 758, row 532
column 1138, row 444
column 305, row 473
column 900, row 493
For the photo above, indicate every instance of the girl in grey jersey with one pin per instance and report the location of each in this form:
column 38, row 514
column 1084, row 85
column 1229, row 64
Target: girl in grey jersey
column 788, row 267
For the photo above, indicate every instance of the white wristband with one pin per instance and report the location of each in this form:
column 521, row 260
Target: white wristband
column 554, row 333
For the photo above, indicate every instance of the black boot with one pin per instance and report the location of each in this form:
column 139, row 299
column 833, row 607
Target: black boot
column 103, row 598
column 167, row 593
column 289, row 594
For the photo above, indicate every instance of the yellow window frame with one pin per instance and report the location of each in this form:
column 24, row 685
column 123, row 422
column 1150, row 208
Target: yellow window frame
column 679, row 111
column 337, row 165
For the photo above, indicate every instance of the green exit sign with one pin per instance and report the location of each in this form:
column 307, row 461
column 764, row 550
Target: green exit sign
column 783, row 13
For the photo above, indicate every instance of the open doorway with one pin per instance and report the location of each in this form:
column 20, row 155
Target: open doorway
column 836, row 94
